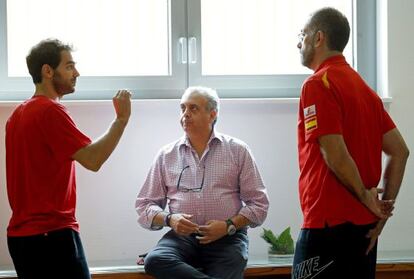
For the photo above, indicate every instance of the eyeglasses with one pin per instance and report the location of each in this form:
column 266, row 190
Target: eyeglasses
column 185, row 189
column 301, row 36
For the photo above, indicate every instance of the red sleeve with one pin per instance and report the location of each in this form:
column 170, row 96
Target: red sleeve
column 61, row 133
column 321, row 112
column 387, row 123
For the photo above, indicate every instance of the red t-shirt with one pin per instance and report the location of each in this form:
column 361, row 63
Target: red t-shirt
column 335, row 100
column 41, row 137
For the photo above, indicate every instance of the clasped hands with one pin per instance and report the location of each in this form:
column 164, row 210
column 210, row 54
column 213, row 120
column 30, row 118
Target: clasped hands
column 382, row 209
column 213, row 230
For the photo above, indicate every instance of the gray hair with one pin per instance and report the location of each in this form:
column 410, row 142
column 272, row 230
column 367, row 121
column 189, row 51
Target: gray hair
column 334, row 24
column 213, row 101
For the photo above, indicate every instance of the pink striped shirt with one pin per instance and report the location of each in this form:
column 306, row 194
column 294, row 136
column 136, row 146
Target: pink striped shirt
column 224, row 182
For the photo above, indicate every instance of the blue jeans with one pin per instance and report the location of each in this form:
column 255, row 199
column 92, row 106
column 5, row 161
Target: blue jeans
column 183, row 257
column 57, row 254
column 334, row 252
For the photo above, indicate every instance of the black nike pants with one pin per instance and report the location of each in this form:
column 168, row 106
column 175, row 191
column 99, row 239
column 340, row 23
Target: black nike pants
column 334, row 252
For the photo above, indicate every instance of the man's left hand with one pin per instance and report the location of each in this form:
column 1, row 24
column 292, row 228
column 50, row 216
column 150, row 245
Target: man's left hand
column 381, row 208
column 213, row 230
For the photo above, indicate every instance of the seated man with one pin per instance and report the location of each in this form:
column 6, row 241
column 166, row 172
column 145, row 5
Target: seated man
column 214, row 191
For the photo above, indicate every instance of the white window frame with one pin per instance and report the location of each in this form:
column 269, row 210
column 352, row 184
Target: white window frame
column 101, row 88
column 186, row 23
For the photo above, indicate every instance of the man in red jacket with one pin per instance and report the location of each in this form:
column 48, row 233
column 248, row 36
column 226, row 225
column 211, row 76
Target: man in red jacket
column 342, row 131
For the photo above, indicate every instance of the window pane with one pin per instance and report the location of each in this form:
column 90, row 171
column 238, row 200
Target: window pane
column 258, row 37
column 111, row 38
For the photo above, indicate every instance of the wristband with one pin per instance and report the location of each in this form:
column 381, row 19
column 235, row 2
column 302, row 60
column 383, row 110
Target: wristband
column 167, row 219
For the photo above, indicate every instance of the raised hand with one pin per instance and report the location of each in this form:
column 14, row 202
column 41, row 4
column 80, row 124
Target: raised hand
column 122, row 105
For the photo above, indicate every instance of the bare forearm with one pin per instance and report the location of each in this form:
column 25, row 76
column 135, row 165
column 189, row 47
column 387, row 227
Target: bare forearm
column 95, row 154
column 347, row 172
column 335, row 153
column 106, row 144
column 340, row 162
column 397, row 153
column 393, row 176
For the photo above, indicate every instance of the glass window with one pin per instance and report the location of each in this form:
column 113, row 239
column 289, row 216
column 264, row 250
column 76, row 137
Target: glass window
column 111, row 38
column 257, row 37
column 157, row 48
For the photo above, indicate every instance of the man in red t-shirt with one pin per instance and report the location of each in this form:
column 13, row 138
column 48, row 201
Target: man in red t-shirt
column 342, row 131
column 42, row 143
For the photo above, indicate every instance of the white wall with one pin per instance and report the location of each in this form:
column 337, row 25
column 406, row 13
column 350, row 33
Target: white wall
column 106, row 199
column 400, row 229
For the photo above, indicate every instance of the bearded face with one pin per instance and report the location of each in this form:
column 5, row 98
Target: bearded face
column 65, row 75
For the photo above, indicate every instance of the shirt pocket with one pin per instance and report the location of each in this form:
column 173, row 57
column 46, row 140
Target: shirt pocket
column 171, row 177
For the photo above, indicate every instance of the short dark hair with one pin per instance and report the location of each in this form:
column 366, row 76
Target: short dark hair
column 45, row 52
column 334, row 24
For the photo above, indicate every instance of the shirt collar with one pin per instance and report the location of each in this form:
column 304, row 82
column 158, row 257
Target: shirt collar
column 215, row 136
column 336, row 59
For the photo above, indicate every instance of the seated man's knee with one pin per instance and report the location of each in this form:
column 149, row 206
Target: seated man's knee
column 158, row 260
column 151, row 262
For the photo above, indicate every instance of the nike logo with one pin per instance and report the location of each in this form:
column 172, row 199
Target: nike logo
column 309, row 268
column 321, row 269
